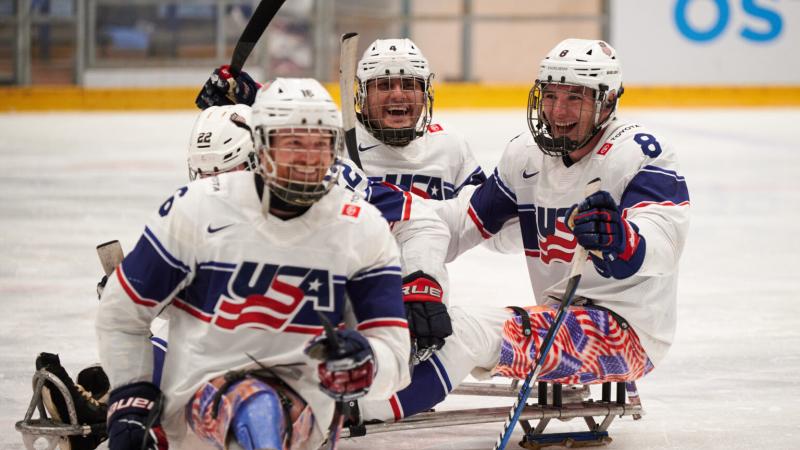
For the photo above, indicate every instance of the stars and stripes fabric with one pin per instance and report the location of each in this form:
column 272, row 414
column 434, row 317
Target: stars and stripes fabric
column 591, row 346
column 213, row 420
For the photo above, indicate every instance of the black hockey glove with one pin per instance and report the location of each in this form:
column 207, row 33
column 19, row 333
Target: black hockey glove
column 226, row 88
column 428, row 320
column 134, row 418
column 348, row 366
column 598, row 225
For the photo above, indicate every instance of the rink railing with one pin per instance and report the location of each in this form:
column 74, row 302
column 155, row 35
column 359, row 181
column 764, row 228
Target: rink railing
column 448, row 96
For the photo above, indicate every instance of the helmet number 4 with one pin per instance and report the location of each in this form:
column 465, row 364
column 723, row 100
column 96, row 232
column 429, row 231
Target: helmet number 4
column 649, row 144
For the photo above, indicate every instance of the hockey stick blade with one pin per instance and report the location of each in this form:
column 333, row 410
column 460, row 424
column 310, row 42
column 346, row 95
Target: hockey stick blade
column 347, row 76
column 110, row 254
column 578, row 261
column 255, row 27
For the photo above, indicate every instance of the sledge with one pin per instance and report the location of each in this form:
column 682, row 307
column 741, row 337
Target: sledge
column 45, row 433
column 552, row 401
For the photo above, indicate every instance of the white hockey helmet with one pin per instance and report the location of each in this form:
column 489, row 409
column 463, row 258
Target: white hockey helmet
column 221, row 141
column 297, row 171
column 589, row 63
column 383, row 61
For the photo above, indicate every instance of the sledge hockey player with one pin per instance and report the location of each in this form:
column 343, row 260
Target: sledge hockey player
column 249, row 265
column 398, row 141
column 220, row 144
column 623, row 321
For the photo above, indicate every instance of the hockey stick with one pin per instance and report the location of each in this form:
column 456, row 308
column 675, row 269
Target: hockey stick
column 578, row 261
column 110, row 254
column 338, row 409
column 347, row 77
column 255, row 27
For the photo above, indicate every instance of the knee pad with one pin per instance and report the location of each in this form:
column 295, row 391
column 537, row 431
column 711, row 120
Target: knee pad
column 259, row 422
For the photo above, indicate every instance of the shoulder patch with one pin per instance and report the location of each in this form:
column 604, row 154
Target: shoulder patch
column 434, row 127
column 605, row 148
column 351, row 210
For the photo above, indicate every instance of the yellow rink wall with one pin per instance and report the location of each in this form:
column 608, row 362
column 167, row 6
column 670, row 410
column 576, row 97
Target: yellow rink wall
column 447, row 96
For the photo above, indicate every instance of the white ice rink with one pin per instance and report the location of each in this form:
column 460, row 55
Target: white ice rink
column 730, row 381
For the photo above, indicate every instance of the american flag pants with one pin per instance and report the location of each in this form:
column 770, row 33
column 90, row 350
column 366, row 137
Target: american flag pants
column 591, row 346
column 215, row 430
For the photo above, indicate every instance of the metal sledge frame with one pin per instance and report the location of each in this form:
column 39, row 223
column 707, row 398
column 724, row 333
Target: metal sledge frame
column 34, row 430
column 560, row 402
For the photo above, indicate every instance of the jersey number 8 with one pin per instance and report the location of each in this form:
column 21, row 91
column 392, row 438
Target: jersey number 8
column 649, row 144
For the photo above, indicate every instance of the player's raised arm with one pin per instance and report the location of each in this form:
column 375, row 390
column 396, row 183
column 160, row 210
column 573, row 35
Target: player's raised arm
column 473, row 219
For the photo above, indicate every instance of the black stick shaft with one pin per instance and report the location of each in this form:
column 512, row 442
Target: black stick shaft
column 259, row 21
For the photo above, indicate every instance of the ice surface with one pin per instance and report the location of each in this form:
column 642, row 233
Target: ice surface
column 731, row 380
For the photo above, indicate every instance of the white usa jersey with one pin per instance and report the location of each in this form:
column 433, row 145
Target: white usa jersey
column 236, row 281
column 436, row 165
column 639, row 169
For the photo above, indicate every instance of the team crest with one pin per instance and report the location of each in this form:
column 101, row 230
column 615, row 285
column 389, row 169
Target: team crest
column 272, row 297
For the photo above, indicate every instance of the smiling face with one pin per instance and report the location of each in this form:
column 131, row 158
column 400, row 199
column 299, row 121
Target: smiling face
column 394, row 101
column 568, row 111
column 301, row 156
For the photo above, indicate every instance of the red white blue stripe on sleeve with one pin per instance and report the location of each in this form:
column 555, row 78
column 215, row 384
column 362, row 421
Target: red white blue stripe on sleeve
column 492, row 205
column 393, row 202
column 376, row 297
column 150, row 274
column 655, row 186
column 429, row 386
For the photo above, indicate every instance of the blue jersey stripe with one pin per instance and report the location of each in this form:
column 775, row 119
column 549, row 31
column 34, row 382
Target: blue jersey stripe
column 492, row 205
column 442, row 372
column 378, row 271
column 149, row 272
column 213, row 265
column 426, row 388
column 173, row 261
column 389, row 202
column 377, row 296
column 655, row 185
column 503, row 187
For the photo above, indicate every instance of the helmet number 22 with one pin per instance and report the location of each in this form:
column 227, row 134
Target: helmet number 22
column 649, row 144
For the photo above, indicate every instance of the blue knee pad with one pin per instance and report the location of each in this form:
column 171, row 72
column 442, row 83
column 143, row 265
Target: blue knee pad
column 259, row 422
